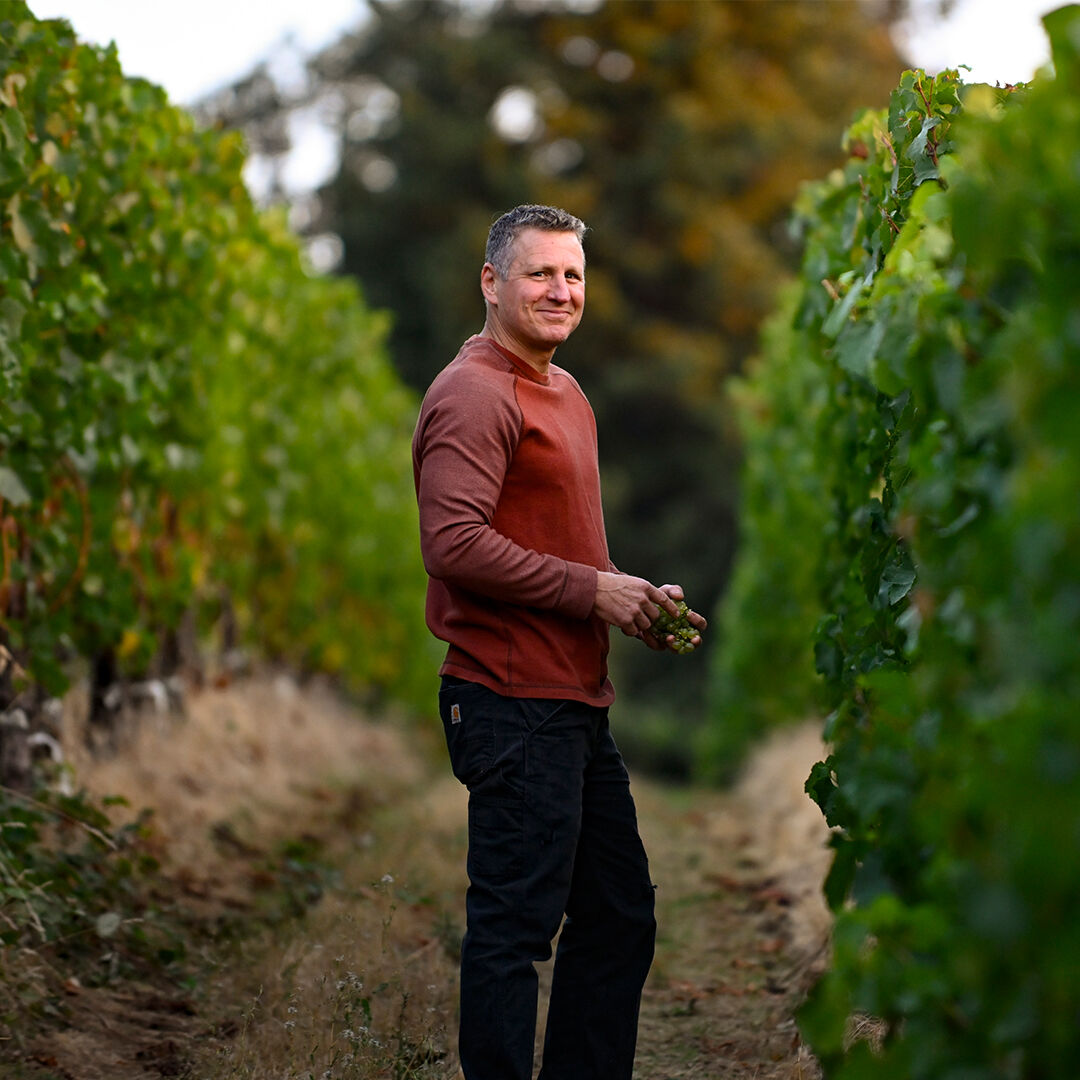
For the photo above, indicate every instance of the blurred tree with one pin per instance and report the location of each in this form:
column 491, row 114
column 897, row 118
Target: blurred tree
column 679, row 130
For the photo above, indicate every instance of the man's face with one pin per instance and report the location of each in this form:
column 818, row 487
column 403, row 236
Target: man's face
column 540, row 303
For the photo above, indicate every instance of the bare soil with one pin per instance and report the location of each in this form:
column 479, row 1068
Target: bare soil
column 743, row 925
column 364, row 983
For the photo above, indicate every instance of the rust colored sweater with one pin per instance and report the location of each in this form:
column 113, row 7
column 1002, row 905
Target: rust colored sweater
column 511, row 526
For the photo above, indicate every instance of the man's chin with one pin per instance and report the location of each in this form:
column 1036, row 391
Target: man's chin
column 557, row 333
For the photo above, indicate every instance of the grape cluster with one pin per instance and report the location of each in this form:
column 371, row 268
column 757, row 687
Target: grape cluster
column 677, row 625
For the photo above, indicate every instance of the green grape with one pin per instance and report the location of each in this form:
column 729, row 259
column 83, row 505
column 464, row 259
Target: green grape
column 678, row 626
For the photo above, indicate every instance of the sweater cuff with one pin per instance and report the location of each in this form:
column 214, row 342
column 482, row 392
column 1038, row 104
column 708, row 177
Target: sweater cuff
column 579, row 595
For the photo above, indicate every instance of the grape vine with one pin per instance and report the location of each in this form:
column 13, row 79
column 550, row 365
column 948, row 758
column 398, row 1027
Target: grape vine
column 186, row 411
column 913, row 462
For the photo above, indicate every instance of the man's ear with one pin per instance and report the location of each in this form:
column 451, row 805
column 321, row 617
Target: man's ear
column 488, row 277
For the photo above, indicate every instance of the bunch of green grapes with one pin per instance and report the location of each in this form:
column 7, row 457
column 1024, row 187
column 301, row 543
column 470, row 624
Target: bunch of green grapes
column 677, row 625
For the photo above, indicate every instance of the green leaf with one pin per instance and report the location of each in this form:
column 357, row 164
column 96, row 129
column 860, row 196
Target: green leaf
column 1063, row 29
column 841, row 874
column 839, row 314
column 858, row 345
column 820, row 784
column 921, row 151
column 896, row 582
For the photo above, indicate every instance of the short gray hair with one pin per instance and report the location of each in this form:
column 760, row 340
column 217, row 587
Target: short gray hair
column 505, row 229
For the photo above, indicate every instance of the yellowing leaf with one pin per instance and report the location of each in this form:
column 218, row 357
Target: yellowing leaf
column 24, row 241
column 129, row 644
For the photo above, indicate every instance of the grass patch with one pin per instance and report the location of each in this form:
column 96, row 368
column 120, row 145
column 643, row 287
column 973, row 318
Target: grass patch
column 236, row 892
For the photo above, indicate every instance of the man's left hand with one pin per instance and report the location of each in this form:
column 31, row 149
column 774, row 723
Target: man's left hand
column 660, row 643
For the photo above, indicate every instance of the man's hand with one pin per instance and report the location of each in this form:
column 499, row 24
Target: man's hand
column 684, row 635
column 631, row 603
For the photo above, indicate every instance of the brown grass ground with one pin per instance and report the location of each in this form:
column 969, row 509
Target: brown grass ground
column 364, row 985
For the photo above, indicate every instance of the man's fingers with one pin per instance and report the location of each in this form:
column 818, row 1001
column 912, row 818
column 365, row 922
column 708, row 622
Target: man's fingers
column 672, row 595
column 660, row 600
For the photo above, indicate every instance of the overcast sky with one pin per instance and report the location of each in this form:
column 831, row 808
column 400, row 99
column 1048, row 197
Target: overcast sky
column 192, row 47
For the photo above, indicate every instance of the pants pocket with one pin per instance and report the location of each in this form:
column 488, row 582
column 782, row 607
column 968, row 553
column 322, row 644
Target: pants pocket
column 496, row 839
column 469, row 726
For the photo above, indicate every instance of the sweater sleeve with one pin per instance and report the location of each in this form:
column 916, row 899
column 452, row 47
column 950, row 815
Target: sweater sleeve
column 465, row 439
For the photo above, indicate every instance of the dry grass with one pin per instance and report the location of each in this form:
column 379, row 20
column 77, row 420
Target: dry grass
column 364, row 986
column 258, row 755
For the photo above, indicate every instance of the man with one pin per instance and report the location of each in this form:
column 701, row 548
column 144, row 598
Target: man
column 523, row 590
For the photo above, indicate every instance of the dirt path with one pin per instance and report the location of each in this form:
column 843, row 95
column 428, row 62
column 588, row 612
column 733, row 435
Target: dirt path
column 364, row 985
column 743, row 926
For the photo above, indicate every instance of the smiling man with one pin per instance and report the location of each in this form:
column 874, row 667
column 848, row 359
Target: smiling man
column 522, row 589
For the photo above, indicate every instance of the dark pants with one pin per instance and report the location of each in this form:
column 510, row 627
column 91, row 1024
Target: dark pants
column 552, row 831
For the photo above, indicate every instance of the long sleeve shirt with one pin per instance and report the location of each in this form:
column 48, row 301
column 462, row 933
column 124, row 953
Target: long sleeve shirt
column 511, row 526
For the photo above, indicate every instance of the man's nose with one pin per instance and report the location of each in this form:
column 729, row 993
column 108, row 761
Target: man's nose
column 558, row 288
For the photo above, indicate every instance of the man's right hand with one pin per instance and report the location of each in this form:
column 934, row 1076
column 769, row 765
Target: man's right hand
column 630, row 603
